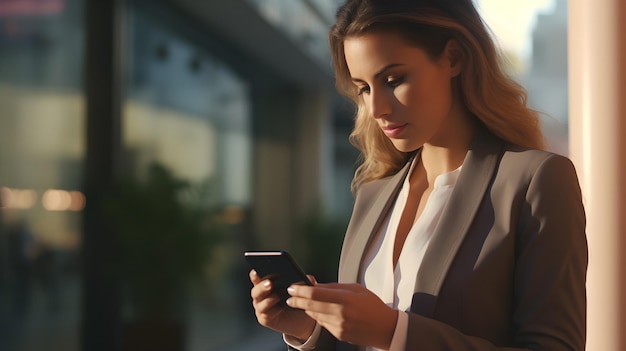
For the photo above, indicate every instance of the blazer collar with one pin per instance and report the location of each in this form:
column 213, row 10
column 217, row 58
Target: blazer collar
column 479, row 167
column 381, row 200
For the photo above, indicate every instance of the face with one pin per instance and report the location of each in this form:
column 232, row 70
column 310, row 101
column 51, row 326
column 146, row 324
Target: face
column 406, row 92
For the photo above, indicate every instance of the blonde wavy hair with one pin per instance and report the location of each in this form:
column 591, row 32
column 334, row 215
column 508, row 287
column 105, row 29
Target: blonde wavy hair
column 496, row 100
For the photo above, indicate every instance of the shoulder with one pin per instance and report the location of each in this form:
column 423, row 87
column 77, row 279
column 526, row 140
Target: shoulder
column 511, row 157
column 532, row 162
column 533, row 156
column 538, row 173
column 521, row 169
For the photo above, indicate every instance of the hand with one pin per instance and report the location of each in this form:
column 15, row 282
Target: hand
column 272, row 315
column 348, row 311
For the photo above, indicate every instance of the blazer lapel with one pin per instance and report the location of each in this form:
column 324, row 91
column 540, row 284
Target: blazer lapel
column 367, row 223
column 478, row 169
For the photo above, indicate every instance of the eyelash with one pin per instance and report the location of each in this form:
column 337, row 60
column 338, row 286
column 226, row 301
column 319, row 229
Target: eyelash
column 392, row 83
column 395, row 82
column 362, row 90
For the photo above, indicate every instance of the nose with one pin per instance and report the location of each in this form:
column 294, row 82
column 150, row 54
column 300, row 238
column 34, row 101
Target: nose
column 379, row 103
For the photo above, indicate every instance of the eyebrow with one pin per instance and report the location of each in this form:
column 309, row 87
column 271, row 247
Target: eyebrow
column 380, row 72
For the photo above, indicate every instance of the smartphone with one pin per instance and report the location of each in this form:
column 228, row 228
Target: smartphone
column 278, row 266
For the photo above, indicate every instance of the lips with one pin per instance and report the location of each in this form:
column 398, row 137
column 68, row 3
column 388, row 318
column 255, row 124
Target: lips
column 393, row 130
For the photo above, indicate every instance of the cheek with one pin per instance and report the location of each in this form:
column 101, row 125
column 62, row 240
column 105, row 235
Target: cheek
column 441, row 89
column 441, row 97
column 426, row 100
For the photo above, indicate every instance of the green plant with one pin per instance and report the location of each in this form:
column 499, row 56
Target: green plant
column 166, row 228
column 321, row 239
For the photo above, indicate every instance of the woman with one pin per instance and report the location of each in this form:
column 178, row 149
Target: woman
column 464, row 234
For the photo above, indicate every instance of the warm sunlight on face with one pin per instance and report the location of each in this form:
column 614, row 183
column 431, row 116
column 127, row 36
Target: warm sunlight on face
column 408, row 94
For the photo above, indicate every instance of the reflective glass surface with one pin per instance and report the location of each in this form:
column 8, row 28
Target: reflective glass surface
column 187, row 114
column 41, row 158
column 305, row 22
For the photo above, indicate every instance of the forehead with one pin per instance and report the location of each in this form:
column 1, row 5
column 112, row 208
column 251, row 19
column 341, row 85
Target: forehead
column 372, row 51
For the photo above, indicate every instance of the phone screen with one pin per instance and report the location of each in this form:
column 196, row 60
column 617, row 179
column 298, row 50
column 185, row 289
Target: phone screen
column 278, row 266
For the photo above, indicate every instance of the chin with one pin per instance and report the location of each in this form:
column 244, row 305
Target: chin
column 406, row 145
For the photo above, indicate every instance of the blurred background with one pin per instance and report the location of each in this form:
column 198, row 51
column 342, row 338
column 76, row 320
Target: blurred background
column 145, row 144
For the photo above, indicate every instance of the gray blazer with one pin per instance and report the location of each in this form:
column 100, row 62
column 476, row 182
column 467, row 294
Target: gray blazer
column 506, row 267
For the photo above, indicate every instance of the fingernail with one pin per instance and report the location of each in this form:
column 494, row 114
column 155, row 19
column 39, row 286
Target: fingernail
column 267, row 284
column 291, row 290
column 254, row 272
column 289, row 302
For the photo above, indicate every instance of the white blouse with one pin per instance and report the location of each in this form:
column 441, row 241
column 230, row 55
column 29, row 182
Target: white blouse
column 395, row 286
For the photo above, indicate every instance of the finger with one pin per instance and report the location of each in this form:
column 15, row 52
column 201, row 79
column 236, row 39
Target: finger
column 341, row 286
column 263, row 299
column 261, row 290
column 254, row 277
column 358, row 288
column 320, row 292
column 315, row 309
column 267, row 305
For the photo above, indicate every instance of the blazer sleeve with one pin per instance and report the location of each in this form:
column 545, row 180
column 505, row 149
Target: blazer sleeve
column 549, row 293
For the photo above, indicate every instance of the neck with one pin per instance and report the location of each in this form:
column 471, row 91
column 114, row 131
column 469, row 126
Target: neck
column 448, row 152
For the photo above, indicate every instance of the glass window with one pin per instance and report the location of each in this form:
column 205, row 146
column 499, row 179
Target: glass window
column 41, row 158
column 186, row 120
column 303, row 22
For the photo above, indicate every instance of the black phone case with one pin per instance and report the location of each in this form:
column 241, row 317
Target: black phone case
column 280, row 267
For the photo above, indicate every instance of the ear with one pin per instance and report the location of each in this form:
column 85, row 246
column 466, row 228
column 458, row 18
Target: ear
column 454, row 57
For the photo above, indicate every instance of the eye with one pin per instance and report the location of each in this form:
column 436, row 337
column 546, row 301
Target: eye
column 394, row 81
column 362, row 90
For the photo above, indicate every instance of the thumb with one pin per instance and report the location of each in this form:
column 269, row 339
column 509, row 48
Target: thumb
column 354, row 287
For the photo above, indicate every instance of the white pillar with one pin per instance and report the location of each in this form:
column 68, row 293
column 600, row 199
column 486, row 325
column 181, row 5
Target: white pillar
column 597, row 89
column 313, row 152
